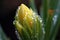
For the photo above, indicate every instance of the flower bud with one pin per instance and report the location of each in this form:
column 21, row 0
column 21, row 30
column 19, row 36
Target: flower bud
column 24, row 13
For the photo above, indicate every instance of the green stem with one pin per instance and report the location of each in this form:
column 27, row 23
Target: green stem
column 32, row 5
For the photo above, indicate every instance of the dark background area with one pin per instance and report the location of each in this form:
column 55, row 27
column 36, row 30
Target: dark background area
column 7, row 12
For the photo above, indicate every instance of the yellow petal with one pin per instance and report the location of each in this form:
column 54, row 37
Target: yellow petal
column 24, row 12
column 18, row 26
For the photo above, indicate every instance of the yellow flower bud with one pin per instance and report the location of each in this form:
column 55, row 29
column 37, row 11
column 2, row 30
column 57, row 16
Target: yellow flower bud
column 24, row 13
column 25, row 19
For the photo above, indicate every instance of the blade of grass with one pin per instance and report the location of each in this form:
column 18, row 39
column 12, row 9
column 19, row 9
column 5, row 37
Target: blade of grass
column 55, row 29
column 32, row 5
column 34, row 29
column 39, row 29
column 48, row 27
column 49, row 18
column 2, row 34
column 56, row 24
column 45, row 10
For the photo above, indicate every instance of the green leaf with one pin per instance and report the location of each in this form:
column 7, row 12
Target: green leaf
column 45, row 10
column 56, row 23
column 33, row 6
column 2, row 35
column 48, row 26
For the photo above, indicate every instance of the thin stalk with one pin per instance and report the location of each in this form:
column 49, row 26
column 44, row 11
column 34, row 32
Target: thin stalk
column 33, row 6
column 45, row 10
column 48, row 27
